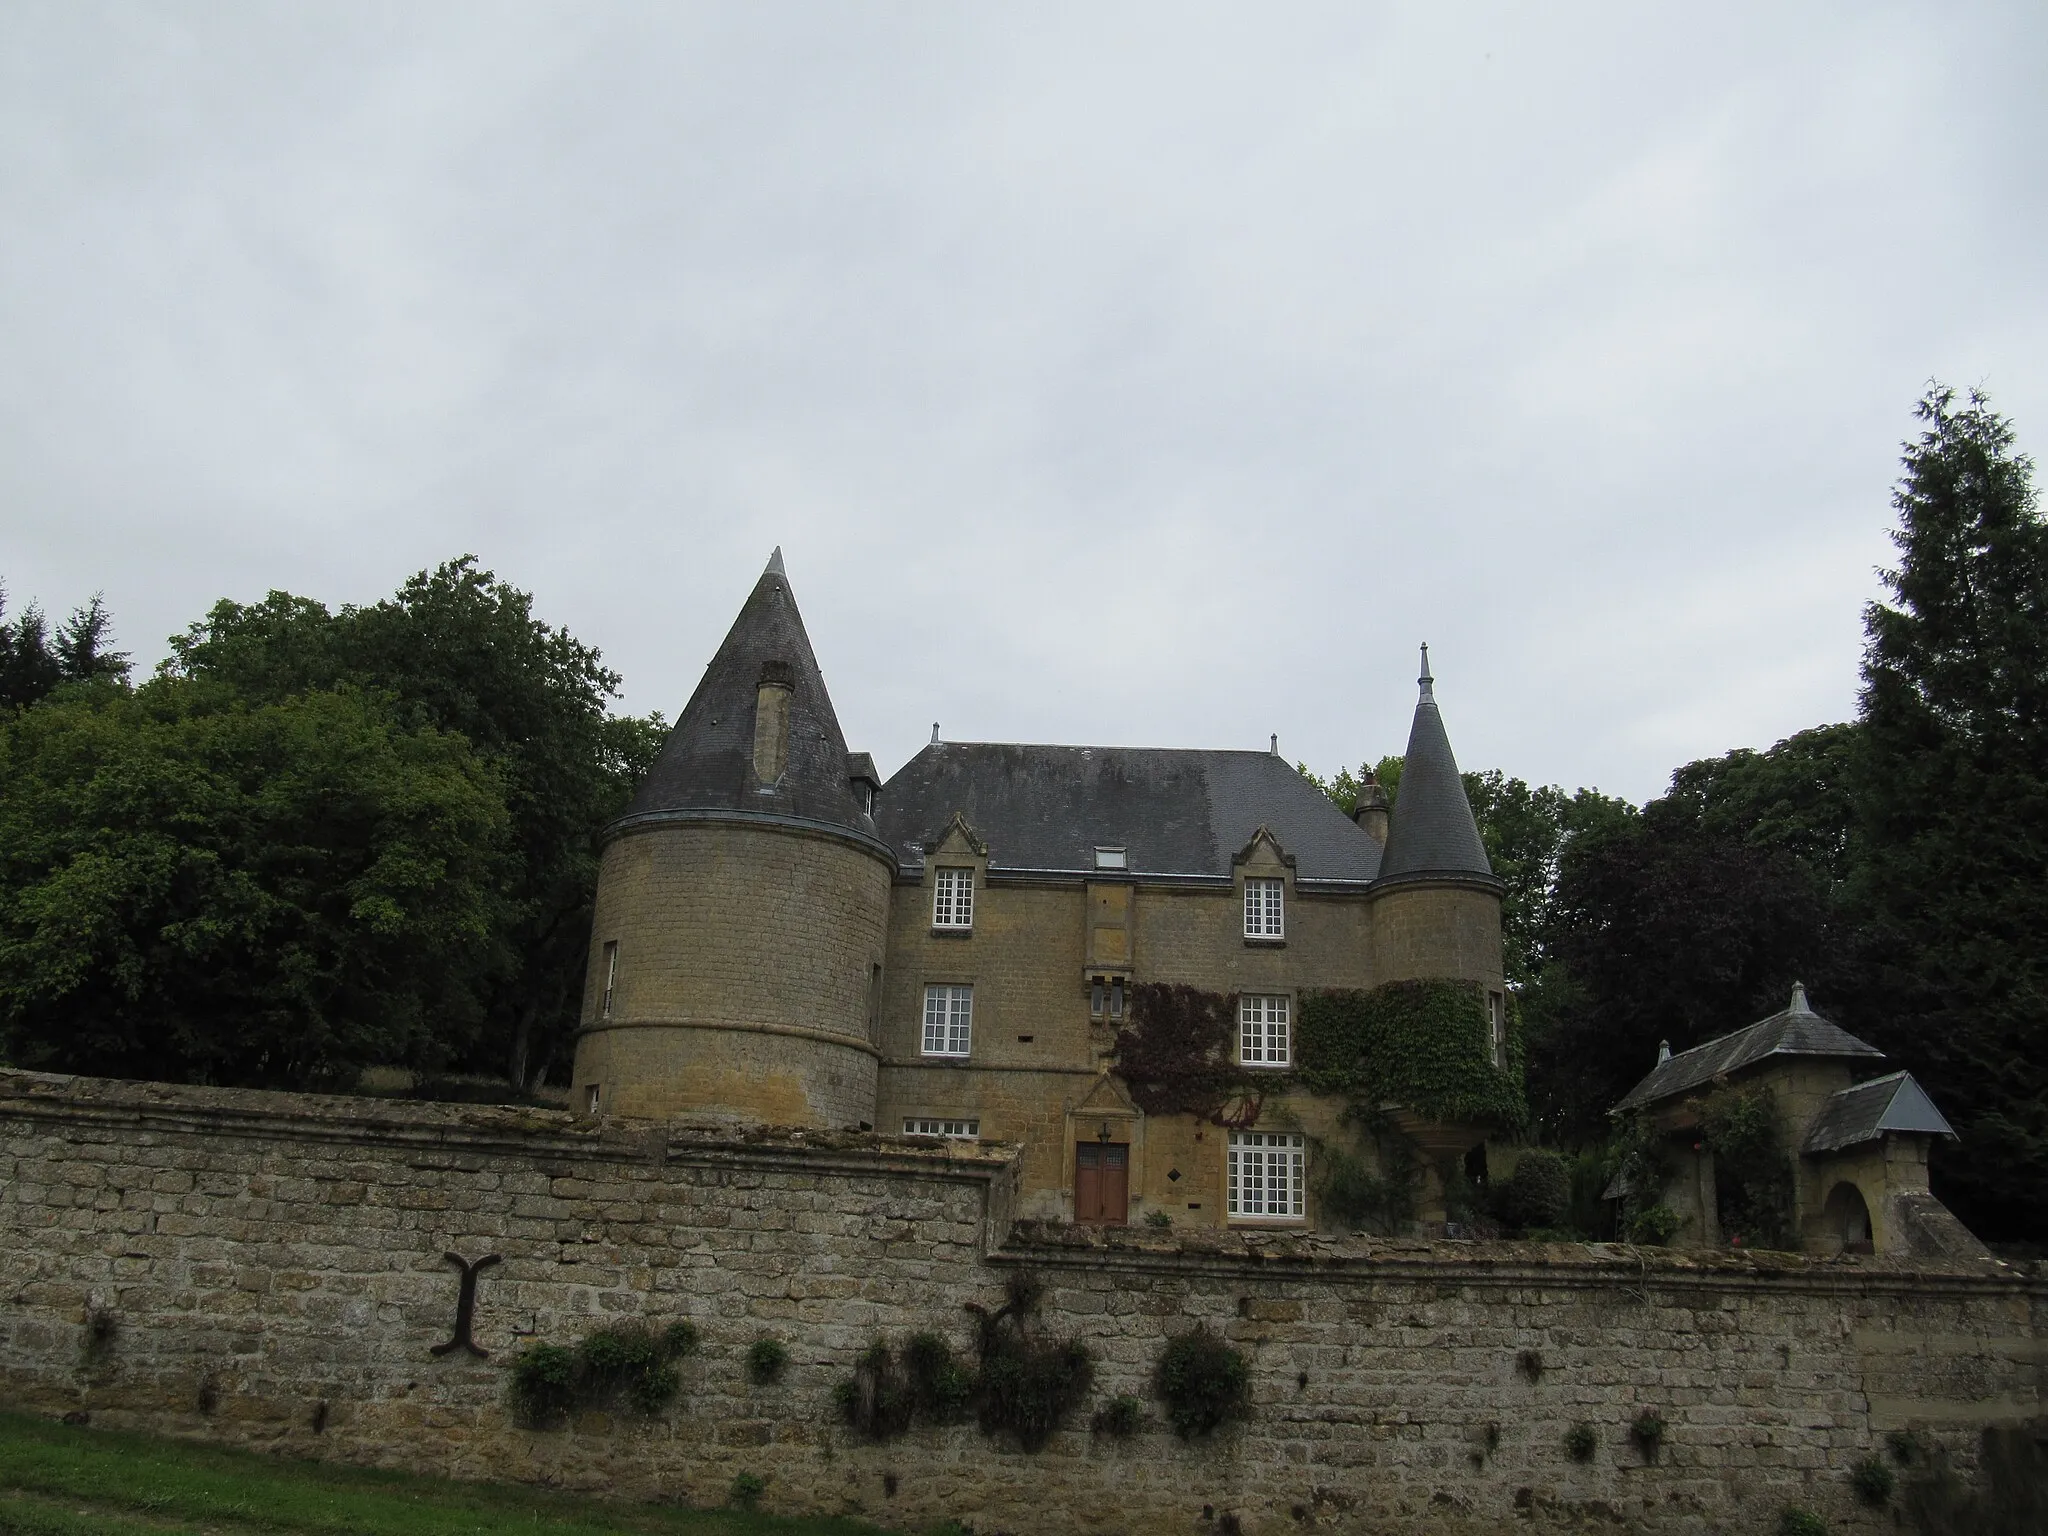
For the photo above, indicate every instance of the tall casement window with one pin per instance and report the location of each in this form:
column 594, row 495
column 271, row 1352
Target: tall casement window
column 1265, row 1176
column 1262, row 909
column 1497, row 1028
column 948, row 1020
column 953, row 898
column 1262, row 1033
column 611, row 977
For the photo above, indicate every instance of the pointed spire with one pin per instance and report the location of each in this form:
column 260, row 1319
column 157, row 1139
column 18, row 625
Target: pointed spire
column 1799, row 1002
column 1432, row 832
column 708, row 762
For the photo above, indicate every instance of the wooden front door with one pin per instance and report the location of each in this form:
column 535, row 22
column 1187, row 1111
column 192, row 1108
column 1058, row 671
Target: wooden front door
column 1102, row 1182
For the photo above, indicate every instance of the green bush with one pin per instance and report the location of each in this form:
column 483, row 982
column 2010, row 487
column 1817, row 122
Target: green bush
column 1648, row 1431
column 1537, row 1193
column 1351, row 1194
column 1580, row 1442
column 1873, row 1481
column 765, row 1361
column 627, row 1361
column 1158, row 1217
column 1120, row 1418
column 543, row 1386
column 1653, row 1227
column 1204, row 1383
column 747, row 1488
column 1801, row 1522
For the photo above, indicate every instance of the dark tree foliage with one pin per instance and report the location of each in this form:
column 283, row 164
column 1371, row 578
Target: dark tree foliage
column 34, row 663
column 192, row 887
column 459, row 651
column 1954, row 793
column 1661, row 931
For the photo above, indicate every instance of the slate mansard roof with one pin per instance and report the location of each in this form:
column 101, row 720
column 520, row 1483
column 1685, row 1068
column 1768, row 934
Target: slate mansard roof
column 1794, row 1031
column 706, row 766
column 1177, row 812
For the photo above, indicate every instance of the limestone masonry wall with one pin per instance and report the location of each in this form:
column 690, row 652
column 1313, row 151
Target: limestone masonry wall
column 274, row 1268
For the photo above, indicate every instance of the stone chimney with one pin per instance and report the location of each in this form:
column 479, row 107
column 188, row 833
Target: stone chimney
column 1371, row 812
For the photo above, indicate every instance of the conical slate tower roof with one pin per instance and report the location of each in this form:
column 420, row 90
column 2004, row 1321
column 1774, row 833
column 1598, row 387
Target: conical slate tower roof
column 707, row 764
column 1433, row 832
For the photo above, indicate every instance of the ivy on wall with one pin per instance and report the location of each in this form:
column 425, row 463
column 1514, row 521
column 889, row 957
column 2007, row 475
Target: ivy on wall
column 1177, row 1055
column 1420, row 1044
column 1752, row 1168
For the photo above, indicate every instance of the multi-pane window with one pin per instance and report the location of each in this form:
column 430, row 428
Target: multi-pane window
column 1262, row 915
column 611, row 977
column 956, row 1130
column 1265, row 1176
column 953, row 899
column 1262, row 1034
column 948, row 1020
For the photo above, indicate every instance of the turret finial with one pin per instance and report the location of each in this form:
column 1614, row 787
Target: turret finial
column 775, row 564
column 1428, row 683
column 935, row 733
column 1799, row 1002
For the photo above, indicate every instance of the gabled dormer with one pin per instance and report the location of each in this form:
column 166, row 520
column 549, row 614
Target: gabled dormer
column 1262, row 873
column 955, row 873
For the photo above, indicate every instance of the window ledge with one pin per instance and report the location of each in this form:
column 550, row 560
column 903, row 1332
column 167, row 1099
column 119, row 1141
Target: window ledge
column 1252, row 943
column 952, row 933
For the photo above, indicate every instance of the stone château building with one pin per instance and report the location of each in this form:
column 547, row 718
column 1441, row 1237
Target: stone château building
column 781, row 938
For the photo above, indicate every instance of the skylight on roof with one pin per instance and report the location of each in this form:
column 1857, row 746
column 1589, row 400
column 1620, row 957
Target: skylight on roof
column 1110, row 858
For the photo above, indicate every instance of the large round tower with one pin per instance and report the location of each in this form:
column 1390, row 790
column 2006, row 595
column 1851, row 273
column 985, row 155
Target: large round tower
column 742, row 903
column 1436, row 900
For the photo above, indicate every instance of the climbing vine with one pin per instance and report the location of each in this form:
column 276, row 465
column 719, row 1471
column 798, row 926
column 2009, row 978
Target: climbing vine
column 1752, row 1169
column 1177, row 1055
column 1420, row 1044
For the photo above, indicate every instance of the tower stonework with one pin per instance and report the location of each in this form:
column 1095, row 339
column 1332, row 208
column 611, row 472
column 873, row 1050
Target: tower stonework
column 742, row 904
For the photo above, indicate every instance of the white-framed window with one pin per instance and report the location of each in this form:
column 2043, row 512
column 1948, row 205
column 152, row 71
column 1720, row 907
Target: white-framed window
column 611, row 977
column 1264, row 1038
column 592, row 1097
column 1263, row 918
column 948, row 1020
column 1111, row 858
column 1266, row 1176
column 953, row 898
column 952, row 1130
column 1497, row 1028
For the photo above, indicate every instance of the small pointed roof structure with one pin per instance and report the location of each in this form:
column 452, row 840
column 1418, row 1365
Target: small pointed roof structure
column 1891, row 1105
column 1433, row 834
column 1794, row 1030
column 706, row 766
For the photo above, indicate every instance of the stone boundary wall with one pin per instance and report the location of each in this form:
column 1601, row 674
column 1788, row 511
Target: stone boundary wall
column 272, row 1271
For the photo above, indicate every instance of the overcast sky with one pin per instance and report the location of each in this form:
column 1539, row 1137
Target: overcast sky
column 1154, row 375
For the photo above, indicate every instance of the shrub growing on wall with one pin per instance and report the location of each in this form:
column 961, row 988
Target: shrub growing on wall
column 1028, row 1385
column 629, row 1363
column 1204, row 1383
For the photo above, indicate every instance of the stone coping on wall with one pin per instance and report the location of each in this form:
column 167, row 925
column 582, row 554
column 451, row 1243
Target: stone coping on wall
column 482, row 1128
column 1322, row 1256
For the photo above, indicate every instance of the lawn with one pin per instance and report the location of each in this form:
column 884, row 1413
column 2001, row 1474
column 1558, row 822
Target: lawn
column 56, row 1480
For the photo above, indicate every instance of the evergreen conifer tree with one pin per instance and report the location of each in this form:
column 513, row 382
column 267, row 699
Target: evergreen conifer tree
column 1954, row 792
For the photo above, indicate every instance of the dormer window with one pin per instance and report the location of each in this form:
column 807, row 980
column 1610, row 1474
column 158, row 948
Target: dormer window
column 953, row 899
column 1111, row 858
column 1263, row 914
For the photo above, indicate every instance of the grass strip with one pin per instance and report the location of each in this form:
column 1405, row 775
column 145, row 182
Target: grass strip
column 143, row 1479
